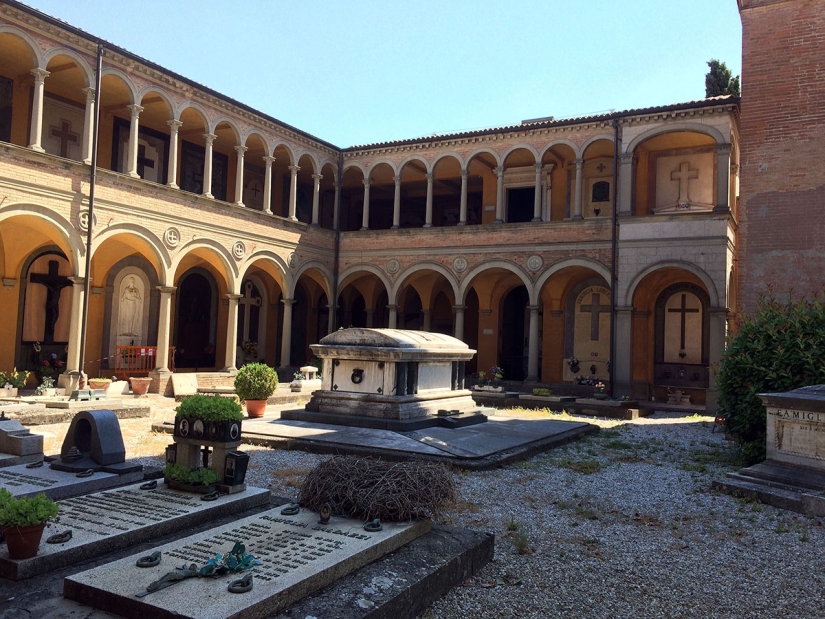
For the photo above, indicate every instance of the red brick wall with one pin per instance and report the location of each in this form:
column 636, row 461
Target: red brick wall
column 782, row 191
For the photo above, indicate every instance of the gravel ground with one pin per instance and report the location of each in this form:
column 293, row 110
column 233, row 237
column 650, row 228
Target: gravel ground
column 621, row 525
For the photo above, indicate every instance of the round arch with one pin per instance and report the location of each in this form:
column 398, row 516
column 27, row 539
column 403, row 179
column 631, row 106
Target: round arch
column 150, row 88
column 333, row 166
column 387, row 161
column 363, row 268
column 318, row 266
column 713, row 132
column 74, row 242
column 313, row 159
column 151, row 239
column 514, row 268
column 355, row 165
column 288, row 148
column 673, row 264
column 435, row 267
column 225, row 258
column 254, row 131
column 593, row 139
column 134, row 97
column 213, row 127
column 38, row 59
column 448, row 154
column 273, row 258
column 520, row 146
column 410, row 158
column 587, row 263
column 84, row 67
column 562, row 142
column 185, row 105
column 483, row 149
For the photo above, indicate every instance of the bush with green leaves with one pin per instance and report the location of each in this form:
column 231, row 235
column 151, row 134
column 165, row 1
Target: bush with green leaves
column 25, row 511
column 201, row 476
column 256, row 381
column 15, row 378
column 542, row 392
column 209, row 408
column 778, row 349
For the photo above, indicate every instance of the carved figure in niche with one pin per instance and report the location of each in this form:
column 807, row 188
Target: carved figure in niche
column 130, row 317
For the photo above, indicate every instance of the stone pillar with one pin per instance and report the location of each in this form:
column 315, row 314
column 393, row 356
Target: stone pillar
column 428, row 213
column 625, row 194
column 208, row 138
column 547, row 207
column 88, row 126
column 537, row 197
column 396, row 203
column 533, row 345
column 458, row 326
column 73, row 361
column 393, row 319
column 722, row 179
column 624, row 343
column 131, row 162
column 239, row 175
column 330, row 318
column 577, row 200
column 172, row 171
column 428, row 314
column 286, row 340
column 718, row 328
column 231, row 333
column 268, row 184
column 365, row 212
column 316, row 198
column 36, row 133
column 462, row 212
column 293, row 192
column 499, row 172
column 370, row 317
column 164, row 314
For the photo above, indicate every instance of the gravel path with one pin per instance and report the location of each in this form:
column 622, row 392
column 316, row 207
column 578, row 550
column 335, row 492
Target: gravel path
column 619, row 525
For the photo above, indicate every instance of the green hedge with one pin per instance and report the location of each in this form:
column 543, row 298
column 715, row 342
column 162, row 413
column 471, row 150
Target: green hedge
column 780, row 348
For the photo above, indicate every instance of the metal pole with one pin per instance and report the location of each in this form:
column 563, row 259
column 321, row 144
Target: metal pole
column 614, row 249
column 92, row 179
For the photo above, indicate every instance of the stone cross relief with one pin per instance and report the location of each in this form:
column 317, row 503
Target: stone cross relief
column 683, row 311
column 595, row 309
column 65, row 135
column 248, row 301
column 684, row 176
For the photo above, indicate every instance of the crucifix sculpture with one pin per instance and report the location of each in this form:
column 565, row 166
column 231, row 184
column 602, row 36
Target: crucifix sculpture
column 595, row 310
column 54, row 284
column 683, row 311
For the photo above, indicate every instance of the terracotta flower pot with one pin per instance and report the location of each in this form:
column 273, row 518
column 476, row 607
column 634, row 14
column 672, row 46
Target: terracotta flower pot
column 23, row 542
column 140, row 385
column 255, row 408
column 100, row 384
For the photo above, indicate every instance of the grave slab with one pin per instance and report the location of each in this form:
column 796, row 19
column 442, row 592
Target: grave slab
column 22, row 481
column 106, row 521
column 298, row 556
column 184, row 384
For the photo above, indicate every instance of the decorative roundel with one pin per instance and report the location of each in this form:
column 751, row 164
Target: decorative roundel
column 393, row 266
column 235, row 431
column 197, row 428
column 534, row 263
column 292, row 259
column 171, row 237
column 183, row 429
column 460, row 264
column 239, row 250
column 83, row 220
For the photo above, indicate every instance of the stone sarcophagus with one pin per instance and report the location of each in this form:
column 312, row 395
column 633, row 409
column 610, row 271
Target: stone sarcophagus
column 392, row 374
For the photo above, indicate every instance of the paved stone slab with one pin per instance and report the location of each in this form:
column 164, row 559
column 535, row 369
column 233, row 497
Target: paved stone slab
column 14, row 460
column 184, row 384
column 23, row 481
column 114, row 519
column 85, row 405
column 298, row 555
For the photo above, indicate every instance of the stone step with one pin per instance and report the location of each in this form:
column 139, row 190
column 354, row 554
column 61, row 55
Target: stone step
column 793, row 477
column 778, row 497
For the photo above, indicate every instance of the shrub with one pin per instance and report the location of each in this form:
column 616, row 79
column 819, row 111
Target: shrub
column 25, row 511
column 778, row 349
column 256, row 381
column 209, row 408
column 14, row 378
column 202, row 476
column 541, row 391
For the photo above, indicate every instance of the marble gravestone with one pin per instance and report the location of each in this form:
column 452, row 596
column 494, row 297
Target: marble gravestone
column 796, row 427
column 17, row 444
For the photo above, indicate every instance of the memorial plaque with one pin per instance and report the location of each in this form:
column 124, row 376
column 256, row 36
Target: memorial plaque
column 298, row 556
column 113, row 519
column 797, row 437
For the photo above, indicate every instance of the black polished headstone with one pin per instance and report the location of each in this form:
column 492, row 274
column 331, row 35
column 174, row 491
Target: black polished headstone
column 97, row 439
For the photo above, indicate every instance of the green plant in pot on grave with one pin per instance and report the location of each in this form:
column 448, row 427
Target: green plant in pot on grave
column 209, row 418
column 23, row 520
column 254, row 383
column 202, row 479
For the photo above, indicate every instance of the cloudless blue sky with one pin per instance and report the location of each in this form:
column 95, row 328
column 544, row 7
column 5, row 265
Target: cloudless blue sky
column 361, row 71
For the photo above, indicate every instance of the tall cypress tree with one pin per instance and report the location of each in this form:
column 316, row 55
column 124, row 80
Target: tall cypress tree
column 719, row 81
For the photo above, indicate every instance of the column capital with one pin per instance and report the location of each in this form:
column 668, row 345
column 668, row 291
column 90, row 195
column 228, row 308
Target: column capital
column 40, row 74
column 294, row 169
column 723, row 149
column 233, row 297
column 392, row 307
column 174, row 124
column 288, row 302
column 166, row 289
column 734, row 168
column 498, row 171
column 135, row 110
column 77, row 280
column 89, row 92
column 241, row 149
column 539, row 166
column 366, row 181
column 430, row 176
column 549, row 167
column 269, row 160
column 579, row 162
column 459, row 308
column 397, row 179
column 626, row 158
column 534, row 308
column 317, row 177
column 209, row 137
column 465, row 172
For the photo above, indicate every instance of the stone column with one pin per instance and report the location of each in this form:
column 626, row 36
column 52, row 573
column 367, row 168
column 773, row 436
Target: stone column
column 293, row 192
column 499, row 172
column 625, row 188
column 547, row 207
column 88, row 126
column 286, row 339
column 239, row 175
column 268, row 184
column 537, row 197
column 718, row 327
column 533, row 345
column 73, row 361
column 370, row 317
column 365, row 212
column 131, row 162
column 428, row 214
column 622, row 363
column 172, row 171
column 330, row 318
column 393, row 319
column 231, row 333
column 316, row 198
column 577, row 200
column 164, row 313
column 462, row 211
column 458, row 327
column 209, row 138
column 427, row 320
column 722, row 179
column 36, row 133
column 396, row 203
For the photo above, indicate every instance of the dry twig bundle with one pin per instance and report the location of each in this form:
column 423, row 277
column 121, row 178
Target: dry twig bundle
column 368, row 488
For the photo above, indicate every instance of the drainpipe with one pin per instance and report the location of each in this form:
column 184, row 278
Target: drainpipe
column 614, row 253
column 337, row 225
column 92, row 180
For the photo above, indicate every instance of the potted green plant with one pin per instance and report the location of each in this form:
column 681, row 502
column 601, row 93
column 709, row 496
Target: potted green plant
column 15, row 379
column 201, row 480
column 46, row 387
column 254, row 383
column 23, row 520
column 212, row 418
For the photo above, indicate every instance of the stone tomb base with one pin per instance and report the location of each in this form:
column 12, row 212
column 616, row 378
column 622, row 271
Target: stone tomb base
column 298, row 555
column 107, row 521
column 22, row 481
